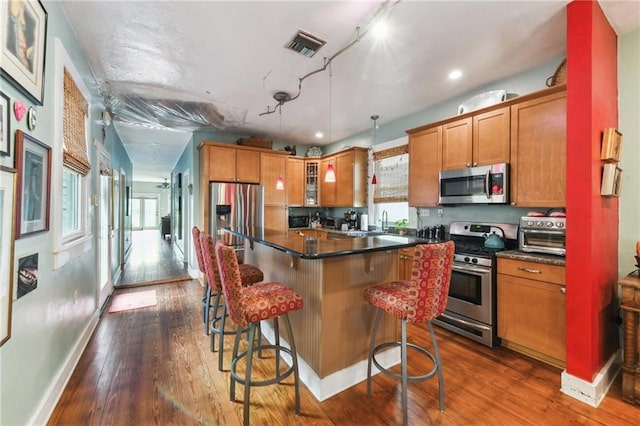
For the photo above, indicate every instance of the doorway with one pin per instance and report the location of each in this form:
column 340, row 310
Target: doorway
column 105, row 230
column 144, row 213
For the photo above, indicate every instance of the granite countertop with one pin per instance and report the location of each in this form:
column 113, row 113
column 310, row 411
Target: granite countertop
column 306, row 247
column 549, row 259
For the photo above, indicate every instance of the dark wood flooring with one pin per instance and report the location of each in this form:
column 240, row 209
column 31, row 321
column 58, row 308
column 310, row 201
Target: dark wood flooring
column 152, row 366
column 152, row 260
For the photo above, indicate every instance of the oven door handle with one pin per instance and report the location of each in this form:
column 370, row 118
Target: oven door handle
column 469, row 268
column 542, row 231
column 467, row 323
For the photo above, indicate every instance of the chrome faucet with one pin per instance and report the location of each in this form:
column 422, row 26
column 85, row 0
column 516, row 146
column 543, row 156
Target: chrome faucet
column 385, row 221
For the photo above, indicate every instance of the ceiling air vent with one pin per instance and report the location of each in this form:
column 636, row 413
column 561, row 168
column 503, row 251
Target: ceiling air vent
column 305, row 44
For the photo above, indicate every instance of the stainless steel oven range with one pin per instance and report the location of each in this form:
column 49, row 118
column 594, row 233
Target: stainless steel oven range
column 471, row 306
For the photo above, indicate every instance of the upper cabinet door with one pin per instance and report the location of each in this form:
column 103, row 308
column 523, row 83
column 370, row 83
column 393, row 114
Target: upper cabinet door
column 295, row 181
column 491, row 137
column 344, row 179
column 222, row 164
column 538, row 152
column 425, row 161
column 327, row 189
column 457, row 148
column 273, row 167
column 247, row 166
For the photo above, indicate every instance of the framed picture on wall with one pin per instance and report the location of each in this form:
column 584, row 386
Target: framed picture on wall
column 5, row 146
column 24, row 32
column 8, row 179
column 33, row 161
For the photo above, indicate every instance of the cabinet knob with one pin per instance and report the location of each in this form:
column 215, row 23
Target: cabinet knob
column 513, row 203
column 563, row 290
column 475, row 164
column 468, row 164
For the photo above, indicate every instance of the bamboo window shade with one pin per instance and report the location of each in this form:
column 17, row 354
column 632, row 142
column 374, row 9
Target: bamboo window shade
column 392, row 175
column 73, row 125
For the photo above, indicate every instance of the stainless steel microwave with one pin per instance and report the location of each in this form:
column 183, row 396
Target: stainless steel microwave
column 475, row 185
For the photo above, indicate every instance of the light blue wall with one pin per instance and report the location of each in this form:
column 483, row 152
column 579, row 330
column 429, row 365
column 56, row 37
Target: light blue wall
column 629, row 126
column 46, row 323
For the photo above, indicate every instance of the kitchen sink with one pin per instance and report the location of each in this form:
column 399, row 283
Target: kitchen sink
column 363, row 234
column 392, row 238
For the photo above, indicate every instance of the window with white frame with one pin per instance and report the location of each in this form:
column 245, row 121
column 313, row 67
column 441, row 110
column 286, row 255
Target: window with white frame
column 71, row 165
column 390, row 194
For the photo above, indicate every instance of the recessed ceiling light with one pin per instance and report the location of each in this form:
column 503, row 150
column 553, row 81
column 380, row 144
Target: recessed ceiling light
column 319, row 135
column 455, row 74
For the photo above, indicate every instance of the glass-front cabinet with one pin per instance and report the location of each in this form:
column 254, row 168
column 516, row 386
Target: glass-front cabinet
column 311, row 189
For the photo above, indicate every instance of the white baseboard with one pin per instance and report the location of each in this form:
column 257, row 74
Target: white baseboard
column 592, row 393
column 325, row 388
column 52, row 395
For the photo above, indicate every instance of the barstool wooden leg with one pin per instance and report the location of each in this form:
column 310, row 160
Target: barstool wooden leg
column 371, row 348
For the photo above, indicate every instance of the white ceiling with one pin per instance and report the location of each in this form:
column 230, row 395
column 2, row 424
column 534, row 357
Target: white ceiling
column 231, row 54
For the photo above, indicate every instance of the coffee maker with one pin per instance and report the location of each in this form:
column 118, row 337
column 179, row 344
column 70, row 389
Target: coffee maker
column 352, row 219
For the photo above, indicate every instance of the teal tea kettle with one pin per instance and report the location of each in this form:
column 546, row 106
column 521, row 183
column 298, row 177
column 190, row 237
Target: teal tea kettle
column 493, row 240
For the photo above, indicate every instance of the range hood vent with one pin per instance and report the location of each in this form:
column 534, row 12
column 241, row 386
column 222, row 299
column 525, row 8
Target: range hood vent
column 305, row 44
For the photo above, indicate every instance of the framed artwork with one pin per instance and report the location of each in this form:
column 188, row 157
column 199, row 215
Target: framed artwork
column 5, row 116
column 24, row 32
column 33, row 162
column 8, row 179
column 611, row 144
column 27, row 274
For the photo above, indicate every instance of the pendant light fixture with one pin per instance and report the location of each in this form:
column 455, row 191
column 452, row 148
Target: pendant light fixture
column 374, row 117
column 330, row 176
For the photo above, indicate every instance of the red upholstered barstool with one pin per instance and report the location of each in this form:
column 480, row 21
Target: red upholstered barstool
column 249, row 275
column 416, row 301
column 206, row 297
column 248, row 306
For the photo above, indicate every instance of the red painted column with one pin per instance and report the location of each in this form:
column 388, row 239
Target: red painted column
column 592, row 220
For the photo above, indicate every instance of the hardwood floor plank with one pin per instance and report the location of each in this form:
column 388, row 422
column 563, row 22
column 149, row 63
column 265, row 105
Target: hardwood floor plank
column 153, row 366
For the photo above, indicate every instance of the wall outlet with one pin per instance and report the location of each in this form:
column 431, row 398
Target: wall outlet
column 425, row 212
column 440, row 212
column 75, row 296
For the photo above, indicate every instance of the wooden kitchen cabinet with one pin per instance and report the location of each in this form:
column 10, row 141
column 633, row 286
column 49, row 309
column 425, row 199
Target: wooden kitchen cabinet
column 275, row 213
column 425, row 161
column 478, row 140
column 223, row 162
column 350, row 187
column 312, row 183
column 295, row 182
column 538, row 151
column 230, row 164
column 531, row 309
column 405, row 263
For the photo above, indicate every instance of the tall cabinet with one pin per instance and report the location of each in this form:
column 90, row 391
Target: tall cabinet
column 425, row 163
column 272, row 166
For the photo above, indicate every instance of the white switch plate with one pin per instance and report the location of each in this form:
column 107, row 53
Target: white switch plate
column 424, row 212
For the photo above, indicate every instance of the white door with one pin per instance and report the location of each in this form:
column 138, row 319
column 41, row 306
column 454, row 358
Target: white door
column 144, row 213
column 105, row 235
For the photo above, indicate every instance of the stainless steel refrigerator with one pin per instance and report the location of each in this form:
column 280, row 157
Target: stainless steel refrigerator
column 237, row 206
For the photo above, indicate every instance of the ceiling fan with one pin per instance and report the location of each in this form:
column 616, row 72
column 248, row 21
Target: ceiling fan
column 164, row 185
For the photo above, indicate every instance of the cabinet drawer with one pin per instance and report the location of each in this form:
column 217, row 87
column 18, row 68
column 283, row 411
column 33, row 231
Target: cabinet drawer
column 532, row 270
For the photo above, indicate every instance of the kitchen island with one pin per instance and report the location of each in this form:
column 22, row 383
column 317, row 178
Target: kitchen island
column 333, row 329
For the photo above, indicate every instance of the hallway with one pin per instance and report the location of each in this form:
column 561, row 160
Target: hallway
column 152, row 260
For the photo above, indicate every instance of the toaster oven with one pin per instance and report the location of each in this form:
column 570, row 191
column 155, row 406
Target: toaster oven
column 547, row 235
